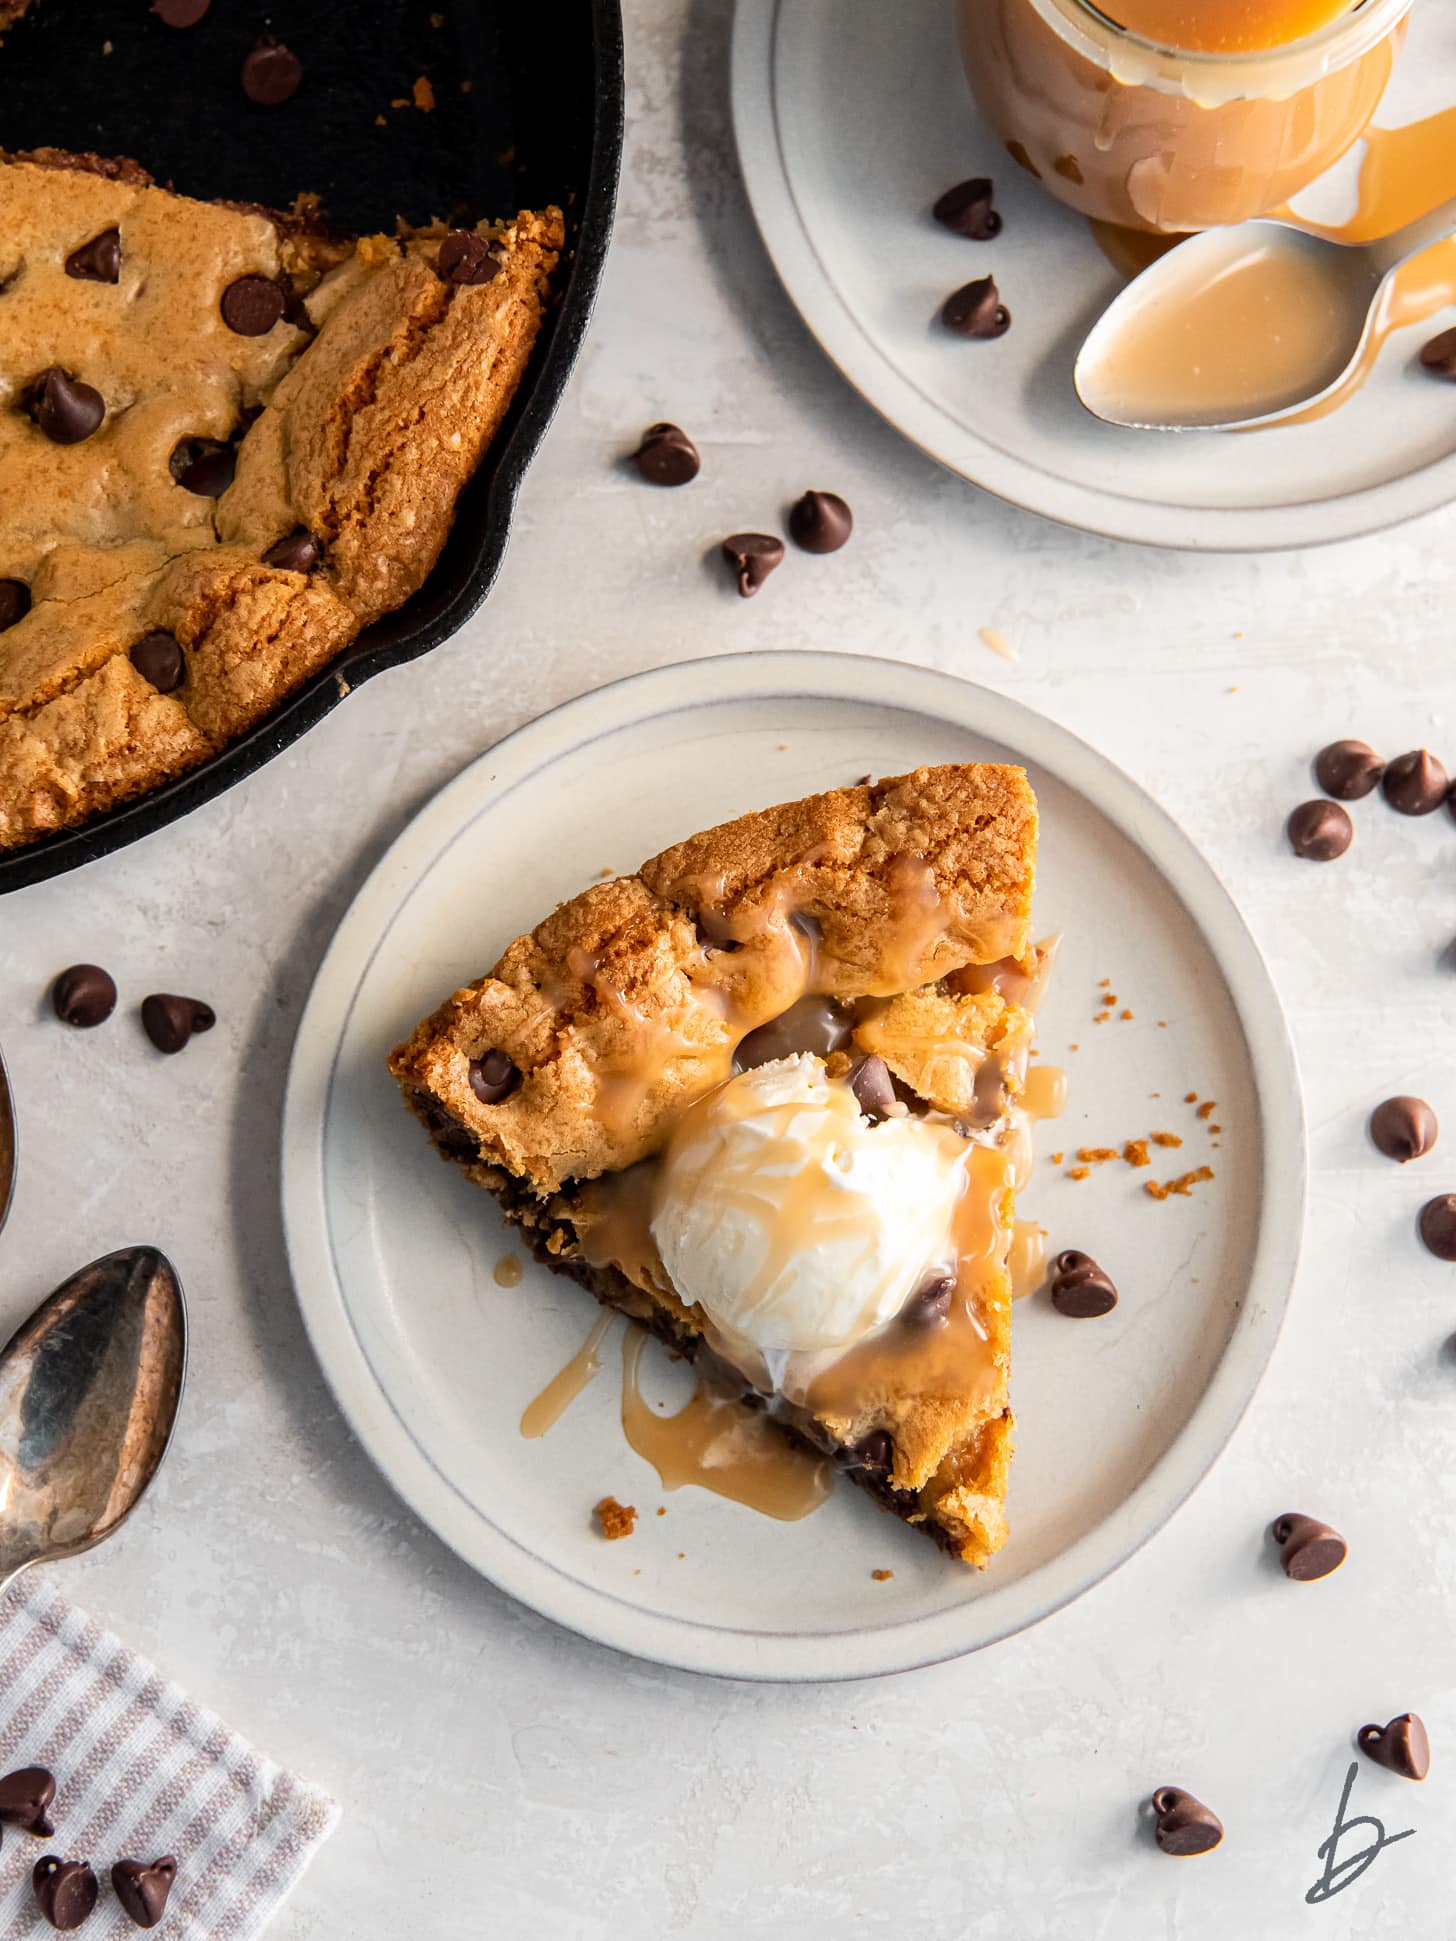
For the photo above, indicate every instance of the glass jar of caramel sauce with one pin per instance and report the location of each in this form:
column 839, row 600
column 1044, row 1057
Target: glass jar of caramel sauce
column 1179, row 114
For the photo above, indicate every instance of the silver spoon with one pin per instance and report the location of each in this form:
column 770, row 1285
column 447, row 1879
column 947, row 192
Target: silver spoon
column 1181, row 314
column 89, row 1389
column 7, row 1145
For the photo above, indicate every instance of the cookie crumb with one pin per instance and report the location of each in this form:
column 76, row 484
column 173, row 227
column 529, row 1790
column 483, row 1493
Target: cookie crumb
column 1208, row 1108
column 424, row 94
column 1136, row 1153
column 1183, row 1185
column 1080, row 1172
column 662, row 1509
column 882, row 1576
column 1096, row 1155
column 1057, row 1158
column 616, row 1519
column 1166, row 1139
column 1124, row 1013
column 1190, row 1098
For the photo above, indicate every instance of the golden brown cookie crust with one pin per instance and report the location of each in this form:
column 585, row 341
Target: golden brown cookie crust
column 629, row 959
column 371, row 415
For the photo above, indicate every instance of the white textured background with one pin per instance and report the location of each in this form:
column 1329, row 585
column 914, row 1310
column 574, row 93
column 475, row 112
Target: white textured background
column 501, row 1778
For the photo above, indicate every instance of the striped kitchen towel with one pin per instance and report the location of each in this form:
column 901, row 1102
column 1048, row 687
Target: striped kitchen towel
column 140, row 1772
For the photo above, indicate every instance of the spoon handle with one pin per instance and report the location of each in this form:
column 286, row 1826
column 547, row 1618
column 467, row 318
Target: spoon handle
column 1437, row 227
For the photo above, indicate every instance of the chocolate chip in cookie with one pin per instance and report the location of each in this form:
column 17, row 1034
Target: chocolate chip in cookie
column 14, row 602
column 64, row 408
column 98, row 261
column 252, row 305
column 465, row 258
column 157, row 657
column 298, row 553
column 203, row 466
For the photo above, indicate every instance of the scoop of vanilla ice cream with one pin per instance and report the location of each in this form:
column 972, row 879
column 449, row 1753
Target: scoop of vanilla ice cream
column 794, row 1223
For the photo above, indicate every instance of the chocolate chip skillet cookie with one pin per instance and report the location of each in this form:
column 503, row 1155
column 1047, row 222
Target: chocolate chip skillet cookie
column 228, row 442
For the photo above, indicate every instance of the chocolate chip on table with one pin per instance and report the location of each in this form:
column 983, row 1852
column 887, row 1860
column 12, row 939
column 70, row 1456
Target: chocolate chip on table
column 667, row 456
column 1415, row 784
column 251, row 305
column 1348, row 770
column 1403, row 1128
column 180, row 13
column 873, row 1088
column 271, row 73
column 1308, row 1549
column 199, row 465
column 1439, row 356
column 298, row 553
column 753, row 556
column 1438, row 1226
column 1182, row 1825
column 929, row 1305
column 25, row 1796
column 1079, row 1287
column 170, row 1021
column 464, row 258
column 1320, row 831
column 64, row 408
column 157, row 657
column 876, row 1451
column 1402, row 1746
column 14, row 602
column 85, row 996
column 494, row 1077
column 820, row 522
column 65, row 1891
column 967, row 210
column 98, row 261
column 976, row 310
column 142, row 1889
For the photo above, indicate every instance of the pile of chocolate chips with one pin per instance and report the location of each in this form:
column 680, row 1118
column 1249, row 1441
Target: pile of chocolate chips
column 1414, row 784
column 66, row 1891
column 818, row 522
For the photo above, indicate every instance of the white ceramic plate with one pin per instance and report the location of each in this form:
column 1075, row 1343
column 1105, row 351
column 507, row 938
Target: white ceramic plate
column 433, row 1362
column 853, row 115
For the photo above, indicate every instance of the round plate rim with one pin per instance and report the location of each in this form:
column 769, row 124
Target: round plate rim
column 864, row 366
column 682, row 1643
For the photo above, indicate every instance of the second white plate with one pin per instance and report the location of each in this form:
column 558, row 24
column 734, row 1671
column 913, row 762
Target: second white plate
column 433, row 1362
column 852, row 116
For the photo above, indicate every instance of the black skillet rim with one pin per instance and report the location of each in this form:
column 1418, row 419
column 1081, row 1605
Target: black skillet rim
column 396, row 638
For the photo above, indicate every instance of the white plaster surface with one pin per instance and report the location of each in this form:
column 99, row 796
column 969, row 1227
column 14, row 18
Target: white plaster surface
column 501, row 1778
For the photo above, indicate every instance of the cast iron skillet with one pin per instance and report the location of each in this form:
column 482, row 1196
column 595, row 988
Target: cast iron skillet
column 540, row 121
